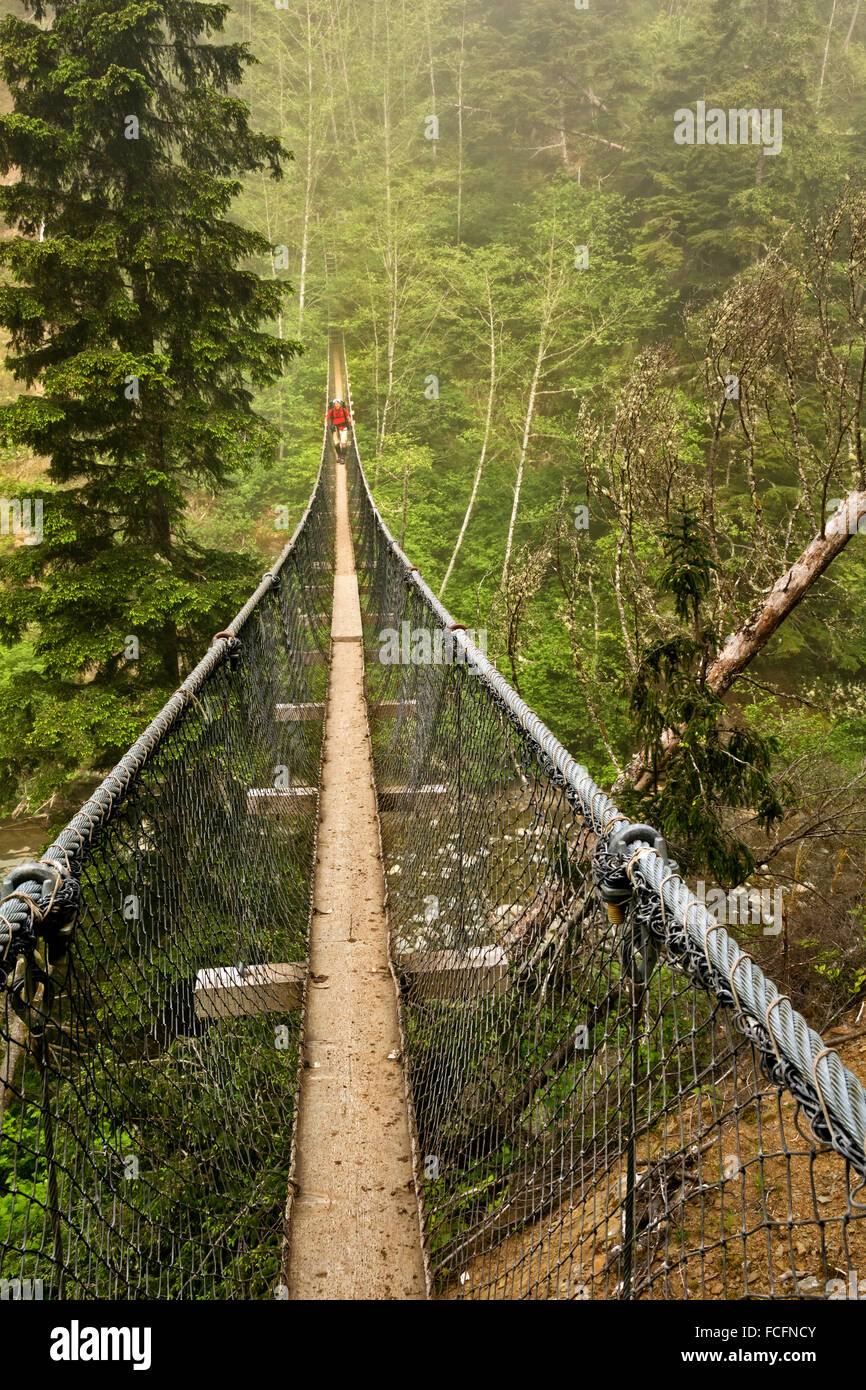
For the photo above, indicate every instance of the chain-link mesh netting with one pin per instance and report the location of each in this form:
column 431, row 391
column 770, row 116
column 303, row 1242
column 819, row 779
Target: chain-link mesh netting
column 610, row 1102
column 151, row 977
column 610, row 1099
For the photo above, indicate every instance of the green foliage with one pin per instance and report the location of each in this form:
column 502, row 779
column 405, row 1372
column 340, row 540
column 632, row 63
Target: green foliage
column 686, row 575
column 139, row 333
column 716, row 764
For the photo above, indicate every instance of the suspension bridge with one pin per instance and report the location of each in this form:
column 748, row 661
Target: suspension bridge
column 349, row 982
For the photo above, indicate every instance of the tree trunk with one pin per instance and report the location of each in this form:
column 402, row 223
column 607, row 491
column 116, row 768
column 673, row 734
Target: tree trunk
column 786, row 593
column 460, row 129
column 390, row 253
column 159, row 529
column 308, row 181
column 477, row 478
column 827, row 49
column 759, row 627
column 527, row 428
column 543, row 347
column 432, row 70
column 281, row 445
column 405, row 505
column 16, row 1046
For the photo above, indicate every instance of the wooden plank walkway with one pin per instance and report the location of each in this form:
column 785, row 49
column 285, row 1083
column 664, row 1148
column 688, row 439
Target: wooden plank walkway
column 355, row 1230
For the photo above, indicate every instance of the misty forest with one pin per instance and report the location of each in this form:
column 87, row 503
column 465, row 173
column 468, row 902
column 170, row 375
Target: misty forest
column 610, row 375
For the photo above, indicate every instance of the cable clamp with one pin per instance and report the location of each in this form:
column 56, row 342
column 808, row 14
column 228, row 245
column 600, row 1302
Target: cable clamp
column 234, row 647
column 51, row 916
column 612, row 860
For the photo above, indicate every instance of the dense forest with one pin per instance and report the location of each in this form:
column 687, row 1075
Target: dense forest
column 608, row 382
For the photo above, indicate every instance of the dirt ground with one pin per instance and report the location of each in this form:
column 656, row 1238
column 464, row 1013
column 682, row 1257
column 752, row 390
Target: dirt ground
column 355, row 1230
column 784, row 1224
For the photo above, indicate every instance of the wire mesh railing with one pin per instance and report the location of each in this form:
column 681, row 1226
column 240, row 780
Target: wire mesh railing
column 611, row 1100
column 151, row 977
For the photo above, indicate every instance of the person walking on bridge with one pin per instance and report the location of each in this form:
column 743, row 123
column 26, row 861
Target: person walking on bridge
column 339, row 421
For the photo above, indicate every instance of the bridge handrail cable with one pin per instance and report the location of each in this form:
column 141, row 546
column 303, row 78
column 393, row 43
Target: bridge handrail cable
column 794, row 1055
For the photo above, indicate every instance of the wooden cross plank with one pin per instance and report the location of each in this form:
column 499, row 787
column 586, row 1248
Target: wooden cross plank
column 388, row 709
column 399, row 798
column 273, row 801
column 230, row 991
column 313, row 658
column 454, row 975
column 293, row 714
column 276, row 800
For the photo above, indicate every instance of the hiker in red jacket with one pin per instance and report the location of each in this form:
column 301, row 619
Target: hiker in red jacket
column 339, row 421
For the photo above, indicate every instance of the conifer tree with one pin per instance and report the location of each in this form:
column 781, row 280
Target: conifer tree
column 138, row 328
column 720, row 763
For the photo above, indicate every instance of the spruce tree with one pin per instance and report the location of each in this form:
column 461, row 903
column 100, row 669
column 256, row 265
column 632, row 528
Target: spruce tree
column 138, row 329
column 720, row 763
